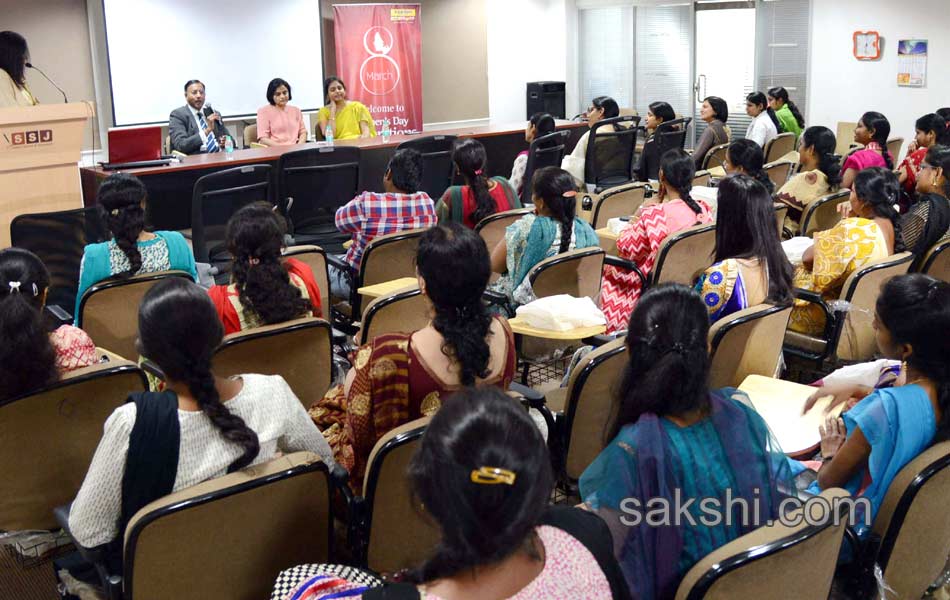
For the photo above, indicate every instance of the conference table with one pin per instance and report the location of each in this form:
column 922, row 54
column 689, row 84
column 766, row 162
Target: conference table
column 170, row 186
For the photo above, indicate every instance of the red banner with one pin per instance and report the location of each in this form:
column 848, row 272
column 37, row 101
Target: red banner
column 379, row 59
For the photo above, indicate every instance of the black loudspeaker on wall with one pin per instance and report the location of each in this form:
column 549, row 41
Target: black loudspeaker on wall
column 546, row 96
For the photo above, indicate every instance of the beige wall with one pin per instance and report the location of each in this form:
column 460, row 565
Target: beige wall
column 58, row 37
column 454, row 57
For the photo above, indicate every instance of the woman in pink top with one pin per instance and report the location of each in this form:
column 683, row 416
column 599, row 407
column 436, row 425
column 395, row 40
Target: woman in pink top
column 278, row 123
column 872, row 131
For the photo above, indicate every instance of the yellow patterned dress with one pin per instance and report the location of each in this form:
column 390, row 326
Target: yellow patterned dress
column 839, row 251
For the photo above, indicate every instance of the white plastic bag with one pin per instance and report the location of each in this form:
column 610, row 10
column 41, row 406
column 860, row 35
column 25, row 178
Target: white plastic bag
column 795, row 248
column 561, row 313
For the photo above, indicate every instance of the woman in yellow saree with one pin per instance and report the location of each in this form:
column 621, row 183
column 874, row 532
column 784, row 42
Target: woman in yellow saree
column 349, row 119
column 869, row 231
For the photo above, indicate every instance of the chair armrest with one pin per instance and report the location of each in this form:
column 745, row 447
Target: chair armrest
column 351, row 274
column 59, row 315
column 534, row 398
column 152, row 369
column 627, row 265
column 498, row 299
column 96, row 556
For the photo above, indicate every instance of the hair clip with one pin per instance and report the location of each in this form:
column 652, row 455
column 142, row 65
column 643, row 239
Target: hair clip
column 253, row 261
column 36, row 290
column 569, row 194
column 492, row 476
column 114, row 212
column 932, row 289
column 14, row 286
column 478, row 171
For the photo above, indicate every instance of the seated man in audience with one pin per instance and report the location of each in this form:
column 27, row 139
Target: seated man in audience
column 193, row 130
column 400, row 208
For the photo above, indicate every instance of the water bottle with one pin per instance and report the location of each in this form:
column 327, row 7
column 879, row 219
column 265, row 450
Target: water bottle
column 228, row 148
column 386, row 131
column 328, row 135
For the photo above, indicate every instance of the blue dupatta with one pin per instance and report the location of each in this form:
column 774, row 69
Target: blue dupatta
column 543, row 232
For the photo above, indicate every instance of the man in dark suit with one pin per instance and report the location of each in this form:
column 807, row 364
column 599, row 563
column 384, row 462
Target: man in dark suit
column 191, row 131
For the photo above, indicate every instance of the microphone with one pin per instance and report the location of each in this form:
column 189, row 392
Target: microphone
column 30, row 66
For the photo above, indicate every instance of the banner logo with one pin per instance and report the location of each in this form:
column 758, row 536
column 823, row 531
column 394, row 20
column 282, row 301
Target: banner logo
column 379, row 73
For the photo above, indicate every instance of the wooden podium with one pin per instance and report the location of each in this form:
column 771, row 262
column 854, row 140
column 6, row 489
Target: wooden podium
column 40, row 148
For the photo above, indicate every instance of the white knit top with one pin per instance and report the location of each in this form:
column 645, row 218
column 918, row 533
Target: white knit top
column 267, row 405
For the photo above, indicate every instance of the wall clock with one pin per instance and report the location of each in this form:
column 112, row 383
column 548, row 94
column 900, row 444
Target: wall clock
column 867, row 45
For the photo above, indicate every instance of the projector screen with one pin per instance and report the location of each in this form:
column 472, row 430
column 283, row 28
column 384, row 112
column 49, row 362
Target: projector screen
column 234, row 47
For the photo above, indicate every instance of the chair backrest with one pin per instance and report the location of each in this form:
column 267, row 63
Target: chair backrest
column 315, row 258
column 779, row 146
column 781, row 211
column 230, row 537
column 109, row 310
column 545, row 151
column 391, row 510
column 388, row 257
column 936, row 261
column 610, row 154
column 438, row 168
column 619, row 201
column 771, row 562
column 403, row 311
column 857, row 340
column 914, row 525
column 671, row 135
column 747, row 342
column 492, row 228
column 702, row 178
column 684, row 255
column 823, row 213
column 47, row 440
column 590, row 399
column 575, row 272
column 216, row 197
column 779, row 172
column 716, row 157
column 300, row 351
column 894, row 146
column 250, row 134
column 844, row 136
column 59, row 239
column 320, row 180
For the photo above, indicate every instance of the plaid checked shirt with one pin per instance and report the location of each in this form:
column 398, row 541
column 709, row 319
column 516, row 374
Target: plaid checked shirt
column 372, row 214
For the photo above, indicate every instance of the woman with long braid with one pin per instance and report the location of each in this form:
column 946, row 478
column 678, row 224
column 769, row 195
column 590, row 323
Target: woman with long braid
column 201, row 427
column 671, row 210
column 873, row 130
column 133, row 249
column 481, row 196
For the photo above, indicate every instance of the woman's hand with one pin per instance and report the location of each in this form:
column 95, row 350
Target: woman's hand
column 840, row 394
column 844, row 209
column 833, row 434
column 332, row 110
column 912, row 146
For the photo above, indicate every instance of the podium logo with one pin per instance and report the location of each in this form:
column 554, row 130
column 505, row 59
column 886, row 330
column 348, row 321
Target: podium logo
column 379, row 73
column 29, row 138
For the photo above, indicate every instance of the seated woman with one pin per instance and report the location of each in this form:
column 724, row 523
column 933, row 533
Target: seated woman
column 399, row 377
column 715, row 112
column 765, row 125
column 745, row 157
column 483, row 474
column 480, row 197
column 786, row 112
column 278, row 123
column 601, row 107
column 201, row 427
column 867, row 446
column 930, row 130
column 710, row 441
column 872, row 131
column 869, row 231
column 264, row 289
column 552, row 229
column 750, row 266
column 539, row 125
column 347, row 119
column 928, row 220
column 31, row 356
column 671, row 210
column 648, row 163
column 820, row 174
column 133, row 249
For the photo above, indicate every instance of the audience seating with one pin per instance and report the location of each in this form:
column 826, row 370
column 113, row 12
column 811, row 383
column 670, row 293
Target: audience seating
column 214, row 200
column 781, row 211
column 773, row 562
column 438, row 168
column 109, row 310
column 702, row 178
column 910, row 536
column 312, row 183
column 315, row 258
column 848, row 336
column 684, row 255
column 48, row 438
column 822, row 214
column 620, row 201
column 300, row 351
column 716, row 157
column 844, row 136
column 936, row 262
column 492, row 228
column 779, row 146
column 611, row 155
column 545, row 151
column 575, row 272
column 779, row 172
column 671, row 135
column 228, row 537
column 250, row 136
column 404, row 311
column 894, row 146
column 58, row 239
column 389, row 530
column 747, row 342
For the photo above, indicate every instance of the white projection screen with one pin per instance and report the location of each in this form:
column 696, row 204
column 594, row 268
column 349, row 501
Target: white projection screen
column 234, row 47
